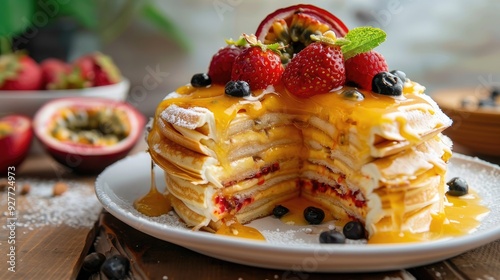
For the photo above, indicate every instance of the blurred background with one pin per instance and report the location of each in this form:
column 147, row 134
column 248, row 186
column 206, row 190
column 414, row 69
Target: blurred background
column 158, row 45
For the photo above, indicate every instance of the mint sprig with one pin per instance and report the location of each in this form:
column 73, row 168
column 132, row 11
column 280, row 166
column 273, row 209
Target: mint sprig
column 360, row 40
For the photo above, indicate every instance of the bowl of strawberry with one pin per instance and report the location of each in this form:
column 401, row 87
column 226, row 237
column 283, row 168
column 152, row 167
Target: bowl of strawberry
column 26, row 85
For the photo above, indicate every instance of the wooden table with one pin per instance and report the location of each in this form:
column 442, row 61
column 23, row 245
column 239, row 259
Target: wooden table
column 56, row 252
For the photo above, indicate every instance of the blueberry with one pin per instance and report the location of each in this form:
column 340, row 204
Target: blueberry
column 331, row 237
column 494, row 93
column 93, row 261
column 237, row 88
column 457, row 187
column 116, row 267
column 486, row 103
column 400, row 74
column 314, row 215
column 387, row 84
column 352, row 94
column 354, row 230
column 201, row 80
column 279, row 211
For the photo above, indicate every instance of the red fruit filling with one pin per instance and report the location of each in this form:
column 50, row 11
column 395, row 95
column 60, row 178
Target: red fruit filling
column 335, row 188
column 259, row 174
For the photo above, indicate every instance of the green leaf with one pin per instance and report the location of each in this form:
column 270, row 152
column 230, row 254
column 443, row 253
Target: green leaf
column 166, row 25
column 362, row 39
column 15, row 17
column 84, row 11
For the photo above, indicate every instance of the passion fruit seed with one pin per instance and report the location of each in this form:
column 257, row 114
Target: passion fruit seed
column 237, row 89
column 116, row 267
column 457, row 187
column 201, row 80
column 93, row 261
column 314, row 215
column 92, row 127
column 331, row 237
column 354, row 230
column 353, row 95
column 387, row 84
column 294, row 35
column 280, row 211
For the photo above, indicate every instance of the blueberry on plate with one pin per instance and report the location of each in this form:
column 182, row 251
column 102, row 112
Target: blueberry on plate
column 354, row 230
column 457, row 187
column 314, row 215
column 280, row 211
column 331, row 237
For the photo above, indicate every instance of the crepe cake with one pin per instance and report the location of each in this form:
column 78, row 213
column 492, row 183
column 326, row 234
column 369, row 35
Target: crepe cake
column 361, row 153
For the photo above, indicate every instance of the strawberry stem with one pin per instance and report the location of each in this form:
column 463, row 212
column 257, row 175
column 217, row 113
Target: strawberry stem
column 330, row 38
column 254, row 42
column 241, row 42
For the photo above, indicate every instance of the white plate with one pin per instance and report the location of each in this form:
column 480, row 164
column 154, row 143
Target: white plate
column 28, row 102
column 294, row 249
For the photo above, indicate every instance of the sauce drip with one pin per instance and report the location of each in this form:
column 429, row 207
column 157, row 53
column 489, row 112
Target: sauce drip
column 154, row 203
column 461, row 216
column 235, row 229
column 296, row 214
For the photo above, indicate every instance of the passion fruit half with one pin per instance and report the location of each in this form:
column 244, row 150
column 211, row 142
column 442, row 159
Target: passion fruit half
column 16, row 133
column 88, row 134
column 293, row 26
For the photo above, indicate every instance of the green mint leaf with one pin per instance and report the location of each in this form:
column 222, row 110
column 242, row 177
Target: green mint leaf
column 362, row 39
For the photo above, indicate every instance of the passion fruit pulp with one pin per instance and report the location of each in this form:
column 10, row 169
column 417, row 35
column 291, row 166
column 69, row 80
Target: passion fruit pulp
column 293, row 26
column 88, row 134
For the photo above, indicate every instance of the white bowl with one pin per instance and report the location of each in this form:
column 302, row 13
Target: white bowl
column 28, row 102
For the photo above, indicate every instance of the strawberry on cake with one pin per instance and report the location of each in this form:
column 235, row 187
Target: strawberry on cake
column 305, row 108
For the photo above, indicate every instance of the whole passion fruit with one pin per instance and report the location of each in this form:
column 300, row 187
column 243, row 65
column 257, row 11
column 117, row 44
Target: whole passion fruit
column 293, row 26
column 16, row 133
column 88, row 134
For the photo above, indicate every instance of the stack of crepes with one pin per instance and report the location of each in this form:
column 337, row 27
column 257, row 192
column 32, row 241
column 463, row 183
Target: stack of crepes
column 377, row 159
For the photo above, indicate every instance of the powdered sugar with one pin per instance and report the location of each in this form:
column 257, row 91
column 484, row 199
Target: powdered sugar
column 190, row 118
column 77, row 207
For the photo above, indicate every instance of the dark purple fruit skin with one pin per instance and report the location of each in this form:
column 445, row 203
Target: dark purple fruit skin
column 457, row 187
column 237, row 89
column 201, row 80
column 93, row 261
column 331, row 237
column 314, row 215
column 116, row 267
column 280, row 211
column 354, row 230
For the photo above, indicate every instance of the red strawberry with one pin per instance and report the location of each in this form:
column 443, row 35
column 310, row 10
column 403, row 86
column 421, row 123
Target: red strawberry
column 19, row 72
column 221, row 64
column 318, row 68
column 361, row 69
column 92, row 70
column 259, row 65
column 54, row 72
